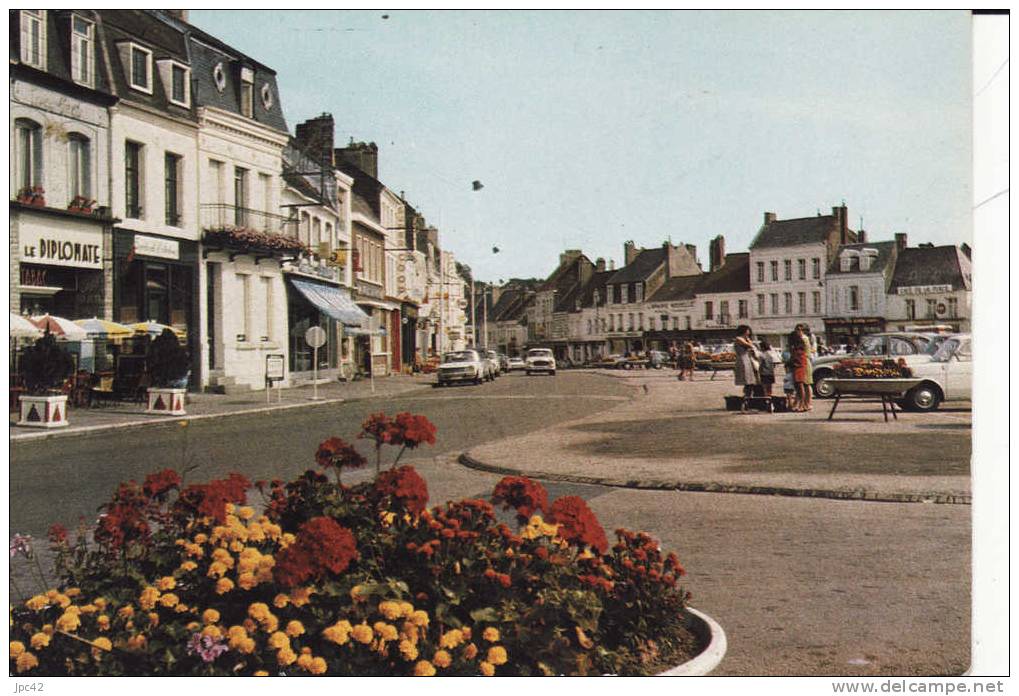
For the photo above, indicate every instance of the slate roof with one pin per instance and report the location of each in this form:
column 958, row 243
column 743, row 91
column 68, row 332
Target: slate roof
column 677, row 288
column 359, row 205
column 941, row 265
column 795, row 231
column 641, row 267
column 885, row 255
column 597, row 283
column 732, row 276
column 512, row 303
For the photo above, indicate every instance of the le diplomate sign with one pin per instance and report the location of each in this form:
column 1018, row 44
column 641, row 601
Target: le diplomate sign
column 75, row 248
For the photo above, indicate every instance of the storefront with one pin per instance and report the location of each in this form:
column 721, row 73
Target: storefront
column 849, row 331
column 371, row 348
column 408, row 333
column 61, row 266
column 316, row 303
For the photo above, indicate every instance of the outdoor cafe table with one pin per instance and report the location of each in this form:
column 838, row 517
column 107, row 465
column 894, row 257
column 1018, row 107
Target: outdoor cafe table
column 887, row 390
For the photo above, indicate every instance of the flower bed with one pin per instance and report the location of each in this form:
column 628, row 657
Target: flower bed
column 876, row 368
column 350, row 580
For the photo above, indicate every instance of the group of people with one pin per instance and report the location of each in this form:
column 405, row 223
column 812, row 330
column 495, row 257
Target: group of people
column 683, row 359
column 755, row 368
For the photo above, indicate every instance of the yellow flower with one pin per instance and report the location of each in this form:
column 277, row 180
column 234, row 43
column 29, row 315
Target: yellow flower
column 304, row 662
column 39, row 641
column 273, row 531
column 181, row 608
column 385, row 631
column 26, row 661
column 301, row 596
column 355, row 593
column 47, row 629
column 17, row 647
column 37, row 602
column 451, row 639
column 256, row 533
column 154, row 618
column 68, row 622
column 101, row 644
column 270, row 624
column 246, row 646
column 103, row 622
column 294, row 629
column 63, row 600
column 406, row 609
column 246, row 581
column 279, row 640
column 442, row 659
column 148, row 598
column 491, row 634
column 261, row 673
column 236, row 545
column 281, row 601
column 212, row 632
column 470, row 651
column 497, row 655
column 245, row 513
column 217, row 569
column 424, row 668
column 166, row 583
column 188, row 566
column 419, row 618
column 286, row 657
column 72, row 591
column 224, row 557
column 258, row 611
column 126, row 611
column 237, row 632
column 408, row 650
column 318, row 666
column 486, row 669
column 73, row 610
column 194, row 550
column 390, row 610
column 201, row 538
column 224, row 585
column 137, row 642
column 287, row 539
column 210, row 616
column 101, row 603
column 362, row 633
column 169, row 600
column 339, row 632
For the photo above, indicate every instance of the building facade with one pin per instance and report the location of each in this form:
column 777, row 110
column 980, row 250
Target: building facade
column 856, row 284
column 931, row 289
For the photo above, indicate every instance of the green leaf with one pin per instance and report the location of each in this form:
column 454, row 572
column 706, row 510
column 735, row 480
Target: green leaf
column 489, row 614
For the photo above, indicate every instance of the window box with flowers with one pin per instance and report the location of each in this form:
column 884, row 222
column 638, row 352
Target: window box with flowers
column 32, row 195
column 247, row 240
column 334, row 579
column 81, row 204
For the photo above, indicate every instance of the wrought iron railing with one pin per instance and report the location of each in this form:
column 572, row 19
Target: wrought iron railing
column 221, row 216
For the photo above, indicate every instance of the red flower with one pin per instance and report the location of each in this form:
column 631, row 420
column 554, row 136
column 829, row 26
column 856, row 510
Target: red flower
column 377, row 427
column 527, row 496
column 210, row 499
column 577, row 524
column 57, row 534
column 124, row 519
column 160, row 483
column 410, row 430
column 405, row 486
column 339, row 454
column 322, row 546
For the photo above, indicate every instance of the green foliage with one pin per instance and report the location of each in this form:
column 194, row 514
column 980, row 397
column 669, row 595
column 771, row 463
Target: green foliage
column 45, row 365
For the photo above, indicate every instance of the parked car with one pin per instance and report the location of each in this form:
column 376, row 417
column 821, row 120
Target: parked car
column 516, row 363
column 948, row 375
column 659, row 359
column 462, row 366
column 503, row 362
column 493, row 359
column 540, row 360
column 916, row 348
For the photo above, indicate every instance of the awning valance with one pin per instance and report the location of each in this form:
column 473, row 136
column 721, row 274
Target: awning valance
column 358, row 331
column 336, row 302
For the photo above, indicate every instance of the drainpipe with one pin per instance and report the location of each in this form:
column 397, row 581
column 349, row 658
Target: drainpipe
column 108, row 248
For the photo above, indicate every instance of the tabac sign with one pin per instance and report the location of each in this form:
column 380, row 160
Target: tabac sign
column 62, row 247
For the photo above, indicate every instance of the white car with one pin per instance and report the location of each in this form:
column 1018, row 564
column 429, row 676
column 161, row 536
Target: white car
column 493, row 360
column 462, row 366
column 948, row 376
column 540, row 360
column 516, row 364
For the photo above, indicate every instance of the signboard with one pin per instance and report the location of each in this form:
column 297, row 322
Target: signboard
column 156, row 246
column 924, row 289
column 368, row 290
column 274, row 368
column 315, row 337
column 62, row 247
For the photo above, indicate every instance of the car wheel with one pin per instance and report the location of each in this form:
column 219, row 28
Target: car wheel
column 925, row 397
column 528, row 373
column 552, row 373
column 823, row 388
column 477, row 380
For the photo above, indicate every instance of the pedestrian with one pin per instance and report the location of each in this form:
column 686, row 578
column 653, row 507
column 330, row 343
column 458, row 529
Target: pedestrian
column 810, row 341
column 767, row 373
column 747, row 364
column 674, row 356
column 686, row 361
column 788, row 384
column 798, row 357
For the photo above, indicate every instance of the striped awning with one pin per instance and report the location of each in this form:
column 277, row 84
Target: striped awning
column 333, row 301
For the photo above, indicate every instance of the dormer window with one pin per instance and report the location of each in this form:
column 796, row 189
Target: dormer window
column 248, row 92
column 139, row 75
column 82, row 50
column 33, row 38
column 177, row 79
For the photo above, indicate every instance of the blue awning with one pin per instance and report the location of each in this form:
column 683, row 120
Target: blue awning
column 336, row 302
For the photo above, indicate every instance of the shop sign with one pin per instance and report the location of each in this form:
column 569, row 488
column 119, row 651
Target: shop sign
column 367, row 290
column 924, row 289
column 156, row 246
column 274, row 368
column 33, row 277
column 78, row 249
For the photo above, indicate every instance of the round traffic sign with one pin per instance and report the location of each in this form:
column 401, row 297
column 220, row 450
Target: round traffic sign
column 315, row 337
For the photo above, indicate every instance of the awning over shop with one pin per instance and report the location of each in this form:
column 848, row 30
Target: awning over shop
column 336, row 302
column 358, row 331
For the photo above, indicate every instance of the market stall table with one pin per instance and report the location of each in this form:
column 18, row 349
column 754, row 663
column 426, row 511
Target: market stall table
column 888, row 390
column 715, row 367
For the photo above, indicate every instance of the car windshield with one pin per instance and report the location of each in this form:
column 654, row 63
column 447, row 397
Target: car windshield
column 539, row 354
column 935, row 345
column 872, row 345
column 460, row 356
column 946, row 350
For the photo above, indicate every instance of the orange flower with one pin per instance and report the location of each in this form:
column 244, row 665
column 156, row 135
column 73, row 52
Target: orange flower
column 424, row 668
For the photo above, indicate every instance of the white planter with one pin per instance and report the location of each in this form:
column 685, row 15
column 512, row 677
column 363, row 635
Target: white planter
column 44, row 411
column 166, row 401
column 712, row 635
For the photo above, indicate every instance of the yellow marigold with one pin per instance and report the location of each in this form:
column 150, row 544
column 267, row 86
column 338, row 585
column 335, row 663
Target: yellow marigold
column 286, row 539
column 237, row 632
column 390, row 610
column 72, row 591
column 280, row 601
column 126, row 611
column 73, row 610
column 37, row 602
column 17, row 647
column 153, row 618
column 194, row 550
column 68, row 622
column 470, row 651
column 236, row 546
column 224, row 585
column 137, row 642
column 246, row 581
column 273, row 531
column 166, row 583
column 26, row 661
column 212, row 632
column 301, row 596
column 270, row 624
column 188, row 566
column 451, row 639
column 442, row 659
column 101, row 603
column 103, row 622
column 497, row 655
column 318, row 665
column 339, row 632
column 52, row 594
column 245, row 513
column 385, row 631
column 286, row 657
column 263, row 575
column 245, row 646
column 486, row 669
column 261, row 673
column 201, row 538
column 182, row 608
column 247, row 565
column 266, row 561
column 279, row 640
column 410, row 632
column 406, row 609
column 408, row 650
column 304, row 662
column 147, row 599
column 355, row 593
column 491, row 634
column 424, row 668
column 63, row 600
column 210, row 616
column 258, row 611
column 362, row 633
column 217, row 569
column 169, row 600
column 223, row 556
column 466, row 630
column 193, row 626
column 47, row 629
column 294, row 629
column 419, row 618
column 39, row 641
column 256, row 533
column 103, row 644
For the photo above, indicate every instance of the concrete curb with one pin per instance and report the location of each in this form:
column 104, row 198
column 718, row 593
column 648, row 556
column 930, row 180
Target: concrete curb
column 468, row 461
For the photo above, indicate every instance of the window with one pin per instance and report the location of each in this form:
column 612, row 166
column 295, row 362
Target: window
column 246, row 308
column 33, row 38
column 898, row 346
column 801, row 298
column 815, row 265
column 743, row 309
column 265, row 186
column 760, row 305
column 266, row 94
column 911, row 309
column 640, row 321
column 180, row 92
column 612, row 322
column 932, row 309
column 801, row 267
column 953, row 307
column 788, row 269
column 29, row 153
column 79, row 160
column 846, row 262
column 267, row 293
column 854, row 298
column 638, row 292
column 133, row 179
column 623, row 293
column 588, row 327
column 141, row 68
column 723, row 311
column 329, row 235
column 81, row 51
column 172, row 189
column 817, row 302
column 774, row 303
column 688, row 323
column 248, row 92
column 629, row 323
column 760, row 271
column 709, row 310
column 774, row 271
column 788, row 297
column 240, row 196
column 665, row 322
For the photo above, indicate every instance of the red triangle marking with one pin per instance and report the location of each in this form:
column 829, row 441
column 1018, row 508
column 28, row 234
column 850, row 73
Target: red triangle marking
column 160, row 405
column 56, row 414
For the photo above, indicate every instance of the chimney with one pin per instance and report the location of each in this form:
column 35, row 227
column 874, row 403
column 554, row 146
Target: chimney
column 841, row 215
column 900, row 240
column 315, row 137
column 629, row 252
column 769, row 218
column 612, row 264
column 600, row 264
column 364, row 156
column 716, row 253
column 861, row 236
column 569, row 255
column 182, row 15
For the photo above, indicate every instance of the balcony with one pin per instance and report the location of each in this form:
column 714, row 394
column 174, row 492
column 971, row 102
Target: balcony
column 245, row 230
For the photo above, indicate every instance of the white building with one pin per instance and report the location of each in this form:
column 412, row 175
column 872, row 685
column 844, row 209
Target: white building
column 932, row 287
column 856, row 284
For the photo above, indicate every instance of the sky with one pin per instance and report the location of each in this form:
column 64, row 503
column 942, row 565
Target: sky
column 588, row 129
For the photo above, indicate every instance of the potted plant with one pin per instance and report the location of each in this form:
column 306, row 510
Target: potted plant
column 81, row 204
column 45, row 366
column 169, row 368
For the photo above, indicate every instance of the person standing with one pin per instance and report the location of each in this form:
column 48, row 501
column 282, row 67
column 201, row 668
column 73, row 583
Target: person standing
column 810, row 342
column 686, row 361
column 767, row 372
column 798, row 357
column 788, row 384
column 747, row 366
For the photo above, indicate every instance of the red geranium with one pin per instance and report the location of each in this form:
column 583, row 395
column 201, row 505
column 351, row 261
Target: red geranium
column 57, row 534
column 125, row 518
column 210, row 499
column 337, row 453
column 322, row 546
column 577, row 524
column 527, row 496
column 405, row 486
column 378, row 427
column 410, row 430
column 160, row 483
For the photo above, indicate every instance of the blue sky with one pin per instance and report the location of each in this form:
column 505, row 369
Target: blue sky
column 591, row 128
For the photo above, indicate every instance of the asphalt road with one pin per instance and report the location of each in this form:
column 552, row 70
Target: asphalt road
column 64, row 479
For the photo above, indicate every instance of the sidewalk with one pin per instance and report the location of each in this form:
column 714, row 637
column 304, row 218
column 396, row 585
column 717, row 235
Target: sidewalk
column 201, row 406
